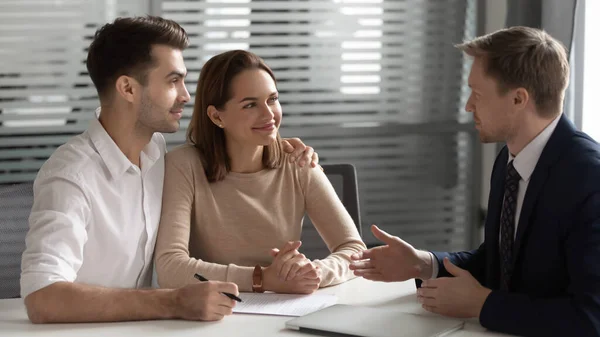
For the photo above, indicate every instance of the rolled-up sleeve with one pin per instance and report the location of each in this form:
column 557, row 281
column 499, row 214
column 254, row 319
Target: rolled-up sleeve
column 57, row 232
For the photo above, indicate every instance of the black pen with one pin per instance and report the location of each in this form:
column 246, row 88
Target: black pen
column 232, row 296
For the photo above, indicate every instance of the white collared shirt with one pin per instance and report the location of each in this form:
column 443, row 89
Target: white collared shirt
column 524, row 163
column 95, row 215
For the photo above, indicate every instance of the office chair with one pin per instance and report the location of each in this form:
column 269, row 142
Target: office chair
column 344, row 181
column 15, row 205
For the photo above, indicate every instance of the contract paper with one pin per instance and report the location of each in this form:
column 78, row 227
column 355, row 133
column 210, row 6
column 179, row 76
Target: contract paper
column 282, row 304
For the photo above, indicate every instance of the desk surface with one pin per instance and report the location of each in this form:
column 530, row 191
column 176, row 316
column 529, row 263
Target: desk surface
column 396, row 296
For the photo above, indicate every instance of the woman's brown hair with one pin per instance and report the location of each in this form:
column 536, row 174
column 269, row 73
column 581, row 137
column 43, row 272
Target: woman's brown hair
column 214, row 88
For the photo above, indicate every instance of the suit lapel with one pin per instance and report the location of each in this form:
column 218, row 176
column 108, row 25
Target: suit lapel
column 492, row 228
column 559, row 138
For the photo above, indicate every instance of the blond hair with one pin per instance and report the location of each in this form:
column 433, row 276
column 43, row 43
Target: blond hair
column 524, row 57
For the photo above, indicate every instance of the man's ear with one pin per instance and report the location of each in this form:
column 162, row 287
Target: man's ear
column 520, row 98
column 125, row 87
column 215, row 116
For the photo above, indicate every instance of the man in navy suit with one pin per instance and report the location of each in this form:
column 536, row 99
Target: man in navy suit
column 538, row 271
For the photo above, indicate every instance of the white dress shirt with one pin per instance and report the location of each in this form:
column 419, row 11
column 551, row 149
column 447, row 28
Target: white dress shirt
column 524, row 163
column 95, row 215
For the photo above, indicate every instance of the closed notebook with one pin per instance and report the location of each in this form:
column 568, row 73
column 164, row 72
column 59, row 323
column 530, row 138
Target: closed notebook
column 372, row 322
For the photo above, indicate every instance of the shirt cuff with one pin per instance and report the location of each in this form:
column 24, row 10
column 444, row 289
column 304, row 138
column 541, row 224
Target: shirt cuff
column 434, row 266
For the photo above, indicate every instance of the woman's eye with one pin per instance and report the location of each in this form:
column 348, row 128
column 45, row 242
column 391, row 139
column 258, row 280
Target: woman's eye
column 250, row 105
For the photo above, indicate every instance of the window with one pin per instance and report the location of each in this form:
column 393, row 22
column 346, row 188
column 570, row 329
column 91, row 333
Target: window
column 375, row 83
column 591, row 86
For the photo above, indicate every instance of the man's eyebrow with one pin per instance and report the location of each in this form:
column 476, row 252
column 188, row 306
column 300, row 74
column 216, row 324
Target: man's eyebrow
column 248, row 99
column 177, row 73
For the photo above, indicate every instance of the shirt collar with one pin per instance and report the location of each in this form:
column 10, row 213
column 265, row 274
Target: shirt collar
column 112, row 156
column 527, row 159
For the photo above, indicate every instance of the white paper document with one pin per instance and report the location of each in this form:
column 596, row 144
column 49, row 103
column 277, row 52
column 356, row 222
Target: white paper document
column 283, row 304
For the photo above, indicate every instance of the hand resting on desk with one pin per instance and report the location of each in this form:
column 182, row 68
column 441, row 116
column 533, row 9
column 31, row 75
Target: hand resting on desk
column 291, row 272
column 461, row 296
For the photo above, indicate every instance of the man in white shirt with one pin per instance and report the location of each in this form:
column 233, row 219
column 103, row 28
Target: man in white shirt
column 537, row 272
column 97, row 200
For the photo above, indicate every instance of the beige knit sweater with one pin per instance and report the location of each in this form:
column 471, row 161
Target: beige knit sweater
column 222, row 230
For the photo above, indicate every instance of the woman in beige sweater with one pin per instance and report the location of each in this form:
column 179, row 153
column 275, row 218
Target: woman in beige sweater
column 233, row 202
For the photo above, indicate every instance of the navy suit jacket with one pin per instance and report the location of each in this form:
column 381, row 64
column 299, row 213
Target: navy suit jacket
column 555, row 286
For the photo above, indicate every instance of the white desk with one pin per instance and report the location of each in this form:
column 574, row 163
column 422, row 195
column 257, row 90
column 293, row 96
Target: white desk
column 395, row 296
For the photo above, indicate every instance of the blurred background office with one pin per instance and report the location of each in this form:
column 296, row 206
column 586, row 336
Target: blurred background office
column 374, row 83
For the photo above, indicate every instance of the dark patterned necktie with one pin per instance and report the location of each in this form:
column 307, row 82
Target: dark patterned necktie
column 507, row 224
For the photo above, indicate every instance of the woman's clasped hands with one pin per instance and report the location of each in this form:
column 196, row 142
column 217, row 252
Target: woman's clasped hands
column 291, row 272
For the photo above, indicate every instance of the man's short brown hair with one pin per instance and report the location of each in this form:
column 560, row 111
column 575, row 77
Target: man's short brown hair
column 124, row 48
column 524, row 57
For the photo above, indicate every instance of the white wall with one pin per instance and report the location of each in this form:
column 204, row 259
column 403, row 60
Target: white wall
column 591, row 53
